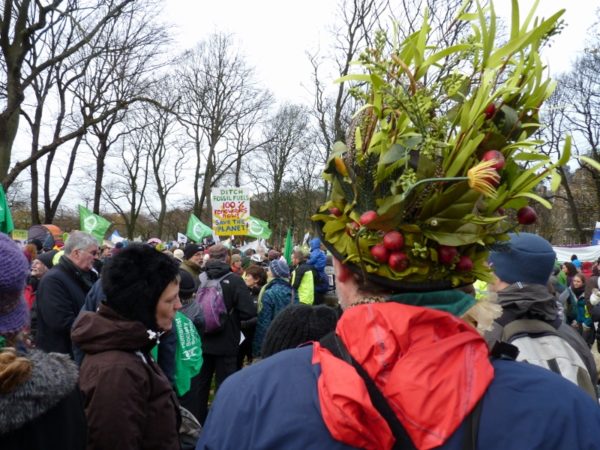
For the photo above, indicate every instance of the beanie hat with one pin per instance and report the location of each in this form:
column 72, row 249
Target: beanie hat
column 14, row 269
column 187, row 285
column 296, row 325
column 46, row 258
column 134, row 280
column 279, row 268
column 527, row 258
column 190, row 250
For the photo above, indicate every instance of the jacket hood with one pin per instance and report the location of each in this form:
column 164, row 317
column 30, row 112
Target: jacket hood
column 106, row 330
column 216, row 269
column 432, row 368
column 53, row 377
column 315, row 243
column 532, row 300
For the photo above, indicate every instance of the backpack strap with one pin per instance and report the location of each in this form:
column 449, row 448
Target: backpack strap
column 335, row 345
column 526, row 326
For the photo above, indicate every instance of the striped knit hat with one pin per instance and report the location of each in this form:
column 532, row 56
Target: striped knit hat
column 14, row 269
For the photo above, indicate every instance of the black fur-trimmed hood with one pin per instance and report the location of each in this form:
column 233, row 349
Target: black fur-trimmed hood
column 53, row 377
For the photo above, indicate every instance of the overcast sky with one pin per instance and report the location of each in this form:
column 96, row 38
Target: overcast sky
column 275, row 35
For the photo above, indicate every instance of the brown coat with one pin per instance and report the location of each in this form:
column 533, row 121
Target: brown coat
column 129, row 402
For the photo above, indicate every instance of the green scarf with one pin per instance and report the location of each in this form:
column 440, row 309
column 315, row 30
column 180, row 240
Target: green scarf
column 452, row 301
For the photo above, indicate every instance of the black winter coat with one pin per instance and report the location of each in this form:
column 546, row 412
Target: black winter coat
column 238, row 301
column 60, row 296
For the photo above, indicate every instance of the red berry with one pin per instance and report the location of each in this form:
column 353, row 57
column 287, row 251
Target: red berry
column 446, row 254
column 526, row 215
column 335, row 211
column 393, row 240
column 398, row 261
column 490, row 110
column 380, row 253
column 464, row 264
column 495, row 155
column 368, row 217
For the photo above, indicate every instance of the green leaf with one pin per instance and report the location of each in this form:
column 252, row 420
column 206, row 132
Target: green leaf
column 514, row 23
column 591, row 162
column 535, row 197
column 555, row 181
column 354, row 77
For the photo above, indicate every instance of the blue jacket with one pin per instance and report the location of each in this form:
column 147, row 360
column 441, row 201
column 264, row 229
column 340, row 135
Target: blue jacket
column 317, row 258
column 519, row 410
column 278, row 294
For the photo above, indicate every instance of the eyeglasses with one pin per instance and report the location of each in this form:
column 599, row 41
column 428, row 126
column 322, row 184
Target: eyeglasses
column 94, row 253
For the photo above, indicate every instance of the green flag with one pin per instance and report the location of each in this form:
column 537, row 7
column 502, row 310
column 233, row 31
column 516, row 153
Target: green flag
column 258, row 229
column 289, row 247
column 196, row 230
column 6, row 222
column 92, row 223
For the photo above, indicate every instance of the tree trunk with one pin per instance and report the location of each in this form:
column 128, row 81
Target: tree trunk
column 572, row 205
column 102, row 151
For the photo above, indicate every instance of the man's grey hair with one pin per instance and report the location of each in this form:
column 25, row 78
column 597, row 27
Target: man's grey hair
column 79, row 240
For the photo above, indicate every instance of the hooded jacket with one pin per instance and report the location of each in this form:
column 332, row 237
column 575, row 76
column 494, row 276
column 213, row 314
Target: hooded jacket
column 278, row 294
column 238, row 301
column 47, row 408
column 534, row 301
column 431, row 367
column 129, row 402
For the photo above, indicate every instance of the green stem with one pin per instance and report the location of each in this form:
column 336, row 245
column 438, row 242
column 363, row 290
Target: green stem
column 432, row 180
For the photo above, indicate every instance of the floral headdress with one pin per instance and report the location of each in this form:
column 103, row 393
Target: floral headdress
column 440, row 152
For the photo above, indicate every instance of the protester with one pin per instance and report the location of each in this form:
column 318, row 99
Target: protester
column 192, row 260
column 318, row 260
column 40, row 405
column 129, row 402
column 236, row 264
column 412, row 211
column 220, row 349
column 39, row 267
column 276, row 295
column 567, row 272
column 255, row 277
column 578, row 314
column 575, row 261
column 522, row 271
column 296, row 325
column 62, row 292
column 303, row 278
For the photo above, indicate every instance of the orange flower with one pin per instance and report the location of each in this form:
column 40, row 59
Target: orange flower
column 484, row 178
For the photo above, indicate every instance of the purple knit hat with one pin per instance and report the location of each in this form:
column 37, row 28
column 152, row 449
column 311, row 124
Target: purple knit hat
column 279, row 268
column 14, row 269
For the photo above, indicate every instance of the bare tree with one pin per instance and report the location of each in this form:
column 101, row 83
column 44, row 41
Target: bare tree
column 167, row 153
column 22, row 25
column 218, row 90
column 286, row 137
column 126, row 189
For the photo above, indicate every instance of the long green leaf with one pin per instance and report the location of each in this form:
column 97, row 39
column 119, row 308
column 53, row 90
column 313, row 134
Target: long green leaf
column 591, row 162
column 514, row 23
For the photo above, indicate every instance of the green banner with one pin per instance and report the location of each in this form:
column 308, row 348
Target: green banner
column 258, row 229
column 93, row 223
column 6, row 222
column 196, row 230
column 289, row 247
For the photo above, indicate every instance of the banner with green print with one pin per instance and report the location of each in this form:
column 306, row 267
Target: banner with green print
column 6, row 222
column 92, row 223
column 188, row 356
column 258, row 229
column 196, row 230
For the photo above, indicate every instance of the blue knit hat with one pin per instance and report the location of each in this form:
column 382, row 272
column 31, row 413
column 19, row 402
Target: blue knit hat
column 14, row 269
column 279, row 268
column 528, row 258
